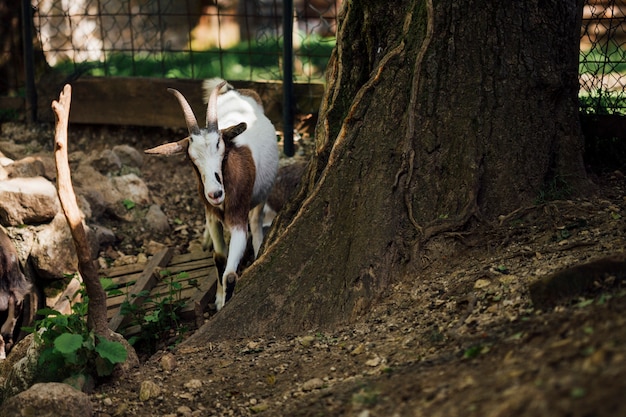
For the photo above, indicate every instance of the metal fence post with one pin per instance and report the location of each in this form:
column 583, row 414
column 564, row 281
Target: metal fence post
column 288, row 97
column 29, row 65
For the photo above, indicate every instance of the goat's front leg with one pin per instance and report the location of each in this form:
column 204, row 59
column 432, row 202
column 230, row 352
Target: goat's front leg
column 256, row 227
column 236, row 249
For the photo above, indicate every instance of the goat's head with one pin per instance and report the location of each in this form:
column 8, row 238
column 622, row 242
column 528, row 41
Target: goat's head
column 205, row 147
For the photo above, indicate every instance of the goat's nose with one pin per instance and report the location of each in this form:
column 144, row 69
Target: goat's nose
column 217, row 194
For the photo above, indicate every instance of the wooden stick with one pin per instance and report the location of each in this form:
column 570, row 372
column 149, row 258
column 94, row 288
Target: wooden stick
column 97, row 308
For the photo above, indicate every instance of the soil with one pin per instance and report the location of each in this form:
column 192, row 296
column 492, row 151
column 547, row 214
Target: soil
column 497, row 324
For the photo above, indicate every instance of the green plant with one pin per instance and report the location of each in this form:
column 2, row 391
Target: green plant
column 556, row 188
column 248, row 60
column 158, row 316
column 129, row 204
column 70, row 348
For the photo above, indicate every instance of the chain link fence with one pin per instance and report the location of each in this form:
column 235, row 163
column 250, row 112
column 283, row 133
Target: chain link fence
column 240, row 40
column 602, row 70
column 233, row 39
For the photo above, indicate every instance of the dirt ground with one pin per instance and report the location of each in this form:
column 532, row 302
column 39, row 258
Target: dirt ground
column 461, row 338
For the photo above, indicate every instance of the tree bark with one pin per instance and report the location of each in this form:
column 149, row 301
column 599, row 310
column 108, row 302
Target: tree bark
column 437, row 116
column 97, row 307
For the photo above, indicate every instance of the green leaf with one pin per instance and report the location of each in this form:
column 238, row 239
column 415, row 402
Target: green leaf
column 114, row 352
column 68, row 343
column 129, row 204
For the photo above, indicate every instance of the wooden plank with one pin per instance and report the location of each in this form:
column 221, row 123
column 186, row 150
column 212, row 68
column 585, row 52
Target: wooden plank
column 146, row 281
column 141, row 101
column 199, row 302
column 118, row 271
column 191, row 256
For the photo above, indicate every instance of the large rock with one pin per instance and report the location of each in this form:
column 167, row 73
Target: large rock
column 27, row 201
column 48, row 400
column 132, row 188
column 129, row 156
column 19, row 369
column 27, row 167
column 53, row 254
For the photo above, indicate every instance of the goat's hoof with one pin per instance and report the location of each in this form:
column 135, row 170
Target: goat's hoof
column 231, row 281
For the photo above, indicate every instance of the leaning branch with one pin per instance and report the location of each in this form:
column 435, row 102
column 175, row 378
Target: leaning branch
column 96, row 313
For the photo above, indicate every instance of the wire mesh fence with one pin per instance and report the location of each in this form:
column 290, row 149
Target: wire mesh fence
column 233, row 39
column 242, row 40
column 602, row 70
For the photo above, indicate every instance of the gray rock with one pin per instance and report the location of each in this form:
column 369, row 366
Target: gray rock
column 156, row 220
column 18, row 371
column 27, row 201
column 48, row 400
column 129, row 156
column 106, row 161
column 133, row 188
column 53, row 254
column 27, row 167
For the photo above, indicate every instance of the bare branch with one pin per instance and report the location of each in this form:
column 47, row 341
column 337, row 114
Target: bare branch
column 96, row 313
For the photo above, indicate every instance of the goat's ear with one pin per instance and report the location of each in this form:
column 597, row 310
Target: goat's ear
column 173, row 148
column 232, row 132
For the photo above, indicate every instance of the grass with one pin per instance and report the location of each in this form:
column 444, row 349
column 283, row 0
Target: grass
column 254, row 60
column 599, row 61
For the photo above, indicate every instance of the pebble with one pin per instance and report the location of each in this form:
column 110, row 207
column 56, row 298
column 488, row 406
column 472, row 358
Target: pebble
column 312, row 384
column 168, row 362
column 193, row 384
column 306, row 341
column 183, row 410
column 148, row 390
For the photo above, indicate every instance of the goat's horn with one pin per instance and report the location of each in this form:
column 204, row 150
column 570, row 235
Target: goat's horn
column 190, row 118
column 211, row 108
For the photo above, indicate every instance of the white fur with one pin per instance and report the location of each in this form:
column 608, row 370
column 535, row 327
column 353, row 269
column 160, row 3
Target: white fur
column 260, row 137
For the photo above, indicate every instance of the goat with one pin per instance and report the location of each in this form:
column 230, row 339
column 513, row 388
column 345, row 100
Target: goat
column 13, row 288
column 287, row 180
column 235, row 166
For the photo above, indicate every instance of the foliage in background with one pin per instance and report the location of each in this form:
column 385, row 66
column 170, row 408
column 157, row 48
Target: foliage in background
column 70, row 349
column 594, row 66
column 253, row 60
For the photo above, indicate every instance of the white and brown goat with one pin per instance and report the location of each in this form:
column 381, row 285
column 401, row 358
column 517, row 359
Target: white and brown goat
column 235, row 165
column 13, row 288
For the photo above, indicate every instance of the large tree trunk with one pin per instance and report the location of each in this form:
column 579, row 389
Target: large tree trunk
column 438, row 116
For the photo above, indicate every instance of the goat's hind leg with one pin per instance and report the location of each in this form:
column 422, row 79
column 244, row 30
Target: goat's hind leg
column 255, row 218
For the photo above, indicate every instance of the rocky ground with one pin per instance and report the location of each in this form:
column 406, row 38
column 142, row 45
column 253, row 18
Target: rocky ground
column 462, row 338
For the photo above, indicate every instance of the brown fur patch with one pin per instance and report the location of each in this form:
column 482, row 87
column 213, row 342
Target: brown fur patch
column 239, row 173
column 251, row 93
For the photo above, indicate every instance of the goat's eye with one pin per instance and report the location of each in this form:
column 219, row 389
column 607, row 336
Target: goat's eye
column 217, row 177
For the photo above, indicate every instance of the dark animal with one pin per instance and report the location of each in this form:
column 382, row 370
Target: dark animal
column 13, row 288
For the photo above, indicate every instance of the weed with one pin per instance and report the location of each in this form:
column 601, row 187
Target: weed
column 555, row 189
column 70, row 348
column 157, row 316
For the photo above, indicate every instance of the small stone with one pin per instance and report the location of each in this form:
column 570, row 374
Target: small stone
column 183, row 410
column 259, row 408
column 107, row 402
column 312, row 384
column 306, row 341
column 482, row 283
column 358, row 350
column 168, row 362
column 148, row 390
column 194, row 384
column 373, row 362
